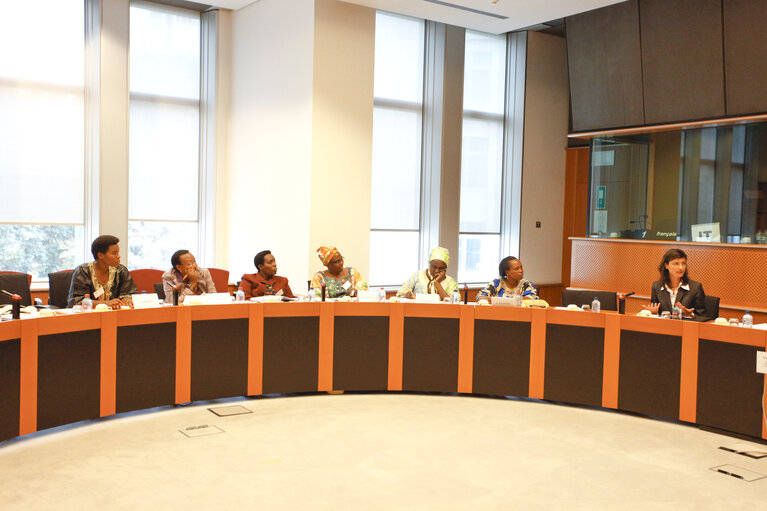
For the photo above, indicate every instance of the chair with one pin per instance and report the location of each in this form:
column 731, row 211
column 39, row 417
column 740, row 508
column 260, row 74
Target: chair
column 58, row 288
column 220, row 279
column 712, row 308
column 18, row 283
column 146, row 278
column 160, row 290
column 608, row 299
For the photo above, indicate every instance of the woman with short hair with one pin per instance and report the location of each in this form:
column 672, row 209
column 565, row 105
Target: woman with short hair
column 511, row 281
column 186, row 276
column 266, row 282
column 104, row 279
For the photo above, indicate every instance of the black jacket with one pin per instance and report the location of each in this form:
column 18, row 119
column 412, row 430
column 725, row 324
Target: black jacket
column 695, row 298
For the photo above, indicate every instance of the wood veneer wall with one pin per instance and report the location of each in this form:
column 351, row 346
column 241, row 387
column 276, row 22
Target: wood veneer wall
column 659, row 61
column 734, row 273
column 576, row 203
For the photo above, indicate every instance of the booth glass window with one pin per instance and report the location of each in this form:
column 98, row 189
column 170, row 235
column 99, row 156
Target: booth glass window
column 702, row 185
column 42, row 136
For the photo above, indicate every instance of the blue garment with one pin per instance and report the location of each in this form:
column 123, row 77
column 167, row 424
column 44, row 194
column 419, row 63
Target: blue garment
column 496, row 288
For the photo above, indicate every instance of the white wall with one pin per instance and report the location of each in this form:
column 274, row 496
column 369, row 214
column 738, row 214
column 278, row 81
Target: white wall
column 342, row 129
column 543, row 164
column 300, row 137
column 300, row 140
column 270, row 137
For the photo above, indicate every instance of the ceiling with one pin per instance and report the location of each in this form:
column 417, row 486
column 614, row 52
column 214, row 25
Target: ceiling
column 486, row 16
column 483, row 15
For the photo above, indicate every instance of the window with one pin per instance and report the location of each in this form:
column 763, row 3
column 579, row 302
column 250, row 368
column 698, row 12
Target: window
column 42, row 167
column 704, row 184
column 164, row 134
column 479, row 237
column 397, row 120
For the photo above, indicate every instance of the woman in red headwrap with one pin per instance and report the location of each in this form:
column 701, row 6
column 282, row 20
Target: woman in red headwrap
column 339, row 280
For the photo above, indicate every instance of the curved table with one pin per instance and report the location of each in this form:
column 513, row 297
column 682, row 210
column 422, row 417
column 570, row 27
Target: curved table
column 64, row 369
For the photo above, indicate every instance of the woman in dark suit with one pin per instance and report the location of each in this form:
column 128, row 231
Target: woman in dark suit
column 676, row 288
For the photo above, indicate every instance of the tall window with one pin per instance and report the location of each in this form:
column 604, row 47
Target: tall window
column 397, row 120
column 42, row 170
column 484, row 91
column 164, row 133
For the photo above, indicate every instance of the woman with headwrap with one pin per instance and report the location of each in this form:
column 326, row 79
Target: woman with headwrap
column 339, row 280
column 433, row 280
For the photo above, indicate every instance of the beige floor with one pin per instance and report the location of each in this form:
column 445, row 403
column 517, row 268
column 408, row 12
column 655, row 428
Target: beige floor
column 371, row 452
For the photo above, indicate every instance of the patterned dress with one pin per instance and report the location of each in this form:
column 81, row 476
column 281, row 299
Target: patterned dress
column 497, row 288
column 84, row 281
column 344, row 286
column 419, row 283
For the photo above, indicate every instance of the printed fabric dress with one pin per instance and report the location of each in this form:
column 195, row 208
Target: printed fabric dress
column 419, row 283
column 496, row 288
column 336, row 288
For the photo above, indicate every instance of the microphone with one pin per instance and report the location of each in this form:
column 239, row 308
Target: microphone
column 16, row 306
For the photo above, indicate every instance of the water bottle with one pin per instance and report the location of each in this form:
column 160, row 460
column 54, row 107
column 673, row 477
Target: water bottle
column 456, row 296
column 382, row 295
column 676, row 313
column 310, row 296
column 87, row 303
column 748, row 320
column 595, row 305
column 517, row 299
column 239, row 296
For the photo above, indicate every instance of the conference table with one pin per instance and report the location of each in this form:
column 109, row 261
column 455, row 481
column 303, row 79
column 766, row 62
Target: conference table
column 64, row 369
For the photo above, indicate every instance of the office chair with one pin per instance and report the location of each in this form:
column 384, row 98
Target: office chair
column 18, row 283
column 712, row 308
column 608, row 299
column 145, row 279
column 58, row 288
column 220, row 279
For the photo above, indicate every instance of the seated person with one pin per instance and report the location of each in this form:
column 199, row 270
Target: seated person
column 675, row 288
column 511, row 282
column 104, row 279
column 187, row 276
column 266, row 281
column 433, row 280
column 340, row 281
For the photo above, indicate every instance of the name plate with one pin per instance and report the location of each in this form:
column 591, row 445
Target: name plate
column 145, row 301
column 508, row 301
column 366, row 295
column 427, row 298
column 218, row 298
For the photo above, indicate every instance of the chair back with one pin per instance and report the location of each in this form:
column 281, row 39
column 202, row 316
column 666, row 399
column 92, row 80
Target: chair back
column 712, row 307
column 608, row 299
column 160, row 290
column 18, row 283
column 146, row 278
column 58, row 288
column 220, row 279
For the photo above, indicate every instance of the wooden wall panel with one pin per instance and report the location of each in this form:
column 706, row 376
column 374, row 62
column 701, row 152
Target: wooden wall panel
column 734, row 273
column 745, row 56
column 604, row 60
column 682, row 59
column 576, row 204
